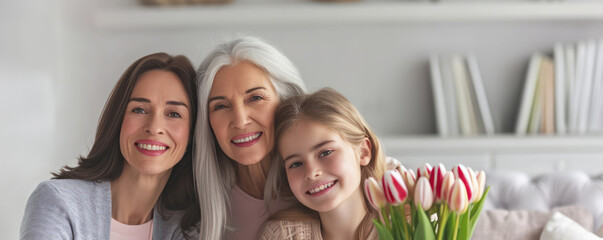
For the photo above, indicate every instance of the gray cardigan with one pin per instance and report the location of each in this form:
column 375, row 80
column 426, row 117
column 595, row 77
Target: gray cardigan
column 78, row 209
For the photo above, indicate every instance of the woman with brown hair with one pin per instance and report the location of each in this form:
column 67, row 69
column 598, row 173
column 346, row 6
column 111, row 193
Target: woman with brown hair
column 136, row 182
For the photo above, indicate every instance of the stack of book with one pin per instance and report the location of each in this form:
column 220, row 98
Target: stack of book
column 564, row 93
column 460, row 100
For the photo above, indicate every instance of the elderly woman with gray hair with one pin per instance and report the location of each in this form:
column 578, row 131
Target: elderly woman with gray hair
column 240, row 86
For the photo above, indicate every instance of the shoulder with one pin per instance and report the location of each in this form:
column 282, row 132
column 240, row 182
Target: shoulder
column 294, row 223
column 290, row 229
column 69, row 190
column 58, row 207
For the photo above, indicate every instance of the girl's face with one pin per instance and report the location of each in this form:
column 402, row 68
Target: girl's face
column 155, row 129
column 242, row 104
column 323, row 170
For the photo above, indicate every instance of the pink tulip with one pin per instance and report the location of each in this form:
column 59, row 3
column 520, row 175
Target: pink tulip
column 481, row 184
column 474, row 185
column 423, row 193
column 409, row 180
column 447, row 184
column 374, row 193
column 463, row 174
column 394, row 188
column 437, row 176
column 458, row 201
column 424, row 171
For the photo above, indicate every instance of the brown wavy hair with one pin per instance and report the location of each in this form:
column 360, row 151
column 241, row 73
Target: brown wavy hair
column 105, row 162
column 331, row 109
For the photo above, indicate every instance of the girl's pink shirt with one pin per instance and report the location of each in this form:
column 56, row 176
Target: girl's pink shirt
column 248, row 214
column 120, row 231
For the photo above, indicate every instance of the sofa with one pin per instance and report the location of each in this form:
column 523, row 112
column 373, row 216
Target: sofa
column 520, row 206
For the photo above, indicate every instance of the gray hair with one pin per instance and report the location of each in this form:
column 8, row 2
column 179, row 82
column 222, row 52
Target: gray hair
column 214, row 171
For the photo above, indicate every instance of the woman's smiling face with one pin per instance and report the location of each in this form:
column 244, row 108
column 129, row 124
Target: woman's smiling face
column 156, row 126
column 242, row 103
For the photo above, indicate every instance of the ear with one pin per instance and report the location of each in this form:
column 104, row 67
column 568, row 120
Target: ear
column 365, row 152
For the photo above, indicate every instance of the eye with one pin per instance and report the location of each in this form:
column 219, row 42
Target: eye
column 219, row 106
column 174, row 115
column 139, row 111
column 295, row 164
column 256, row 98
column 325, row 153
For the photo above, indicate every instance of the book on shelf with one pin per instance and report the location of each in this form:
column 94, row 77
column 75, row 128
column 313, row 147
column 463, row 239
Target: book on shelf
column 480, row 94
column 529, row 91
column 438, row 95
column 460, row 98
column 564, row 94
column 548, row 96
column 560, row 89
column 449, row 95
column 570, row 80
column 596, row 110
column 586, row 87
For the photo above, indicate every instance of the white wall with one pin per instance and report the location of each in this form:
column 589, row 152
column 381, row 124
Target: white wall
column 28, row 74
column 57, row 69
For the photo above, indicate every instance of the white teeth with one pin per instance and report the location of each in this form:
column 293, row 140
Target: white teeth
column 246, row 139
column 321, row 188
column 151, row 147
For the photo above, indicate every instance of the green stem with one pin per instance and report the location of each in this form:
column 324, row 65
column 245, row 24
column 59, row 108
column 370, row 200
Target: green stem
column 386, row 217
column 443, row 222
column 456, row 227
column 404, row 223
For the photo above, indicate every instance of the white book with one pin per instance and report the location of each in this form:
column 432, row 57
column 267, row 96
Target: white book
column 570, row 76
column 596, row 110
column 560, row 89
column 527, row 98
column 577, row 86
column 548, row 95
column 449, row 95
column 466, row 113
column 586, row 89
column 438, row 95
column 536, row 113
column 480, row 94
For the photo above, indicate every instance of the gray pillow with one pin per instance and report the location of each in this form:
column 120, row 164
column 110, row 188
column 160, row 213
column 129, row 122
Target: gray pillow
column 524, row 225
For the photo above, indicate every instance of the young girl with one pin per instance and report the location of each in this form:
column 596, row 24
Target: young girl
column 326, row 151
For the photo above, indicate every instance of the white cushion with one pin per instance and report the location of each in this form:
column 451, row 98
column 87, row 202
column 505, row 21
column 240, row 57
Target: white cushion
column 560, row 227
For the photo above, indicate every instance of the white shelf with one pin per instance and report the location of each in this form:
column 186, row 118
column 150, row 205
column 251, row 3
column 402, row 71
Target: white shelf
column 318, row 14
column 498, row 143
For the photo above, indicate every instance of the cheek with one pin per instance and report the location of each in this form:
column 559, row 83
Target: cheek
column 129, row 126
column 294, row 180
column 217, row 125
column 180, row 133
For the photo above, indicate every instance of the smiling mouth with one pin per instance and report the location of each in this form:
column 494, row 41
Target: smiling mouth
column 151, row 147
column 322, row 188
column 247, row 139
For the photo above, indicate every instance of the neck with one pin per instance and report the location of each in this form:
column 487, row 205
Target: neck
column 252, row 178
column 134, row 195
column 343, row 222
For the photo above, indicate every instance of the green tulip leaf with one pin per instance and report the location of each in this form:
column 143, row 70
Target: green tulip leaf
column 382, row 231
column 423, row 230
column 476, row 211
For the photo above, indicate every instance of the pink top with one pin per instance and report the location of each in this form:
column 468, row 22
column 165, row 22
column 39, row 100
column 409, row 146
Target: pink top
column 120, row 231
column 248, row 214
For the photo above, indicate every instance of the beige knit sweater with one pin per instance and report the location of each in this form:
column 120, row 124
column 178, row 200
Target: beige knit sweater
column 295, row 230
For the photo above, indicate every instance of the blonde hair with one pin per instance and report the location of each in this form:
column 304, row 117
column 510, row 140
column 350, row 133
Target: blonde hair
column 331, row 109
column 214, row 171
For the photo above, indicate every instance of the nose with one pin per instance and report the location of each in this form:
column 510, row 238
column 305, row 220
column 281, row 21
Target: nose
column 313, row 171
column 241, row 117
column 155, row 125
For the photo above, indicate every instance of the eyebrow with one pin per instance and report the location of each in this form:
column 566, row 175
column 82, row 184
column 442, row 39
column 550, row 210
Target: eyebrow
column 246, row 92
column 313, row 148
column 177, row 103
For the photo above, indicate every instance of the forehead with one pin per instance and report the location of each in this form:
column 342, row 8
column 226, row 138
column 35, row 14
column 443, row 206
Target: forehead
column 163, row 83
column 239, row 78
column 304, row 134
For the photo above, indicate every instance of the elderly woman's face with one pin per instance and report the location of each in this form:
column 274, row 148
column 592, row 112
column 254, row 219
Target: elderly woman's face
column 242, row 104
column 155, row 130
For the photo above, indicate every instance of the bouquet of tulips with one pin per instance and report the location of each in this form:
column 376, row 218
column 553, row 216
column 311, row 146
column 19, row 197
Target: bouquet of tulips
column 434, row 204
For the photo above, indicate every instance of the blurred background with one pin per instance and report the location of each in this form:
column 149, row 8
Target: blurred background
column 59, row 60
